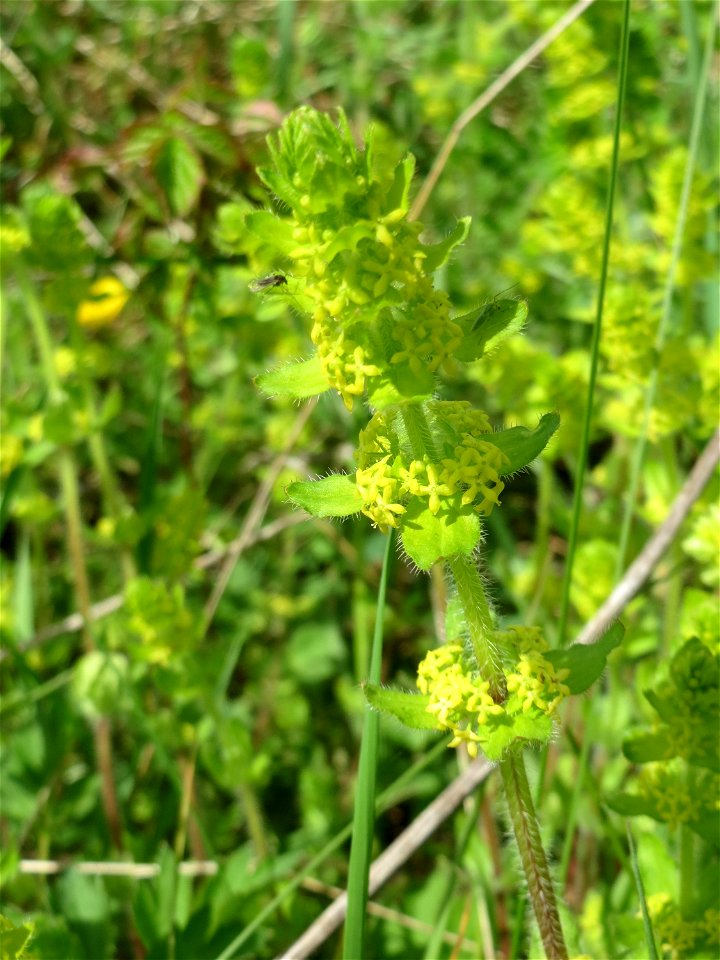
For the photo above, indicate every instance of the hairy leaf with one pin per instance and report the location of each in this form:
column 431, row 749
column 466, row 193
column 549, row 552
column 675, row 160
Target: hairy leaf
column 408, row 708
column 427, row 538
column 487, row 328
column 334, row 496
column 437, row 253
column 521, row 445
column 302, row 379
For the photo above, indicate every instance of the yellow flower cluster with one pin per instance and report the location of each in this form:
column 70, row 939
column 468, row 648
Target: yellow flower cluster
column 351, row 298
column 535, row 680
column 385, row 478
column 679, row 937
column 664, row 783
column 460, row 699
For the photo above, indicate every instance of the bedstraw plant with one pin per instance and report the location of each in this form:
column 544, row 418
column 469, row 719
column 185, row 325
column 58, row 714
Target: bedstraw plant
column 429, row 471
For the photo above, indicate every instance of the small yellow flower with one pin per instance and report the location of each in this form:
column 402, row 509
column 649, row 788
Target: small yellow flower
column 64, row 361
column 107, row 298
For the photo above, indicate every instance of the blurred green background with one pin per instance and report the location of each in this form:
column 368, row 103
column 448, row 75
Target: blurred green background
column 134, row 445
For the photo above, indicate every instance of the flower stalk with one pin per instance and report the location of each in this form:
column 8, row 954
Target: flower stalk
column 478, row 618
column 532, row 856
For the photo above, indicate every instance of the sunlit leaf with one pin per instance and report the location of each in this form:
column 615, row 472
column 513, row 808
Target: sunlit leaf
column 303, row 379
column 334, row 496
column 409, row 708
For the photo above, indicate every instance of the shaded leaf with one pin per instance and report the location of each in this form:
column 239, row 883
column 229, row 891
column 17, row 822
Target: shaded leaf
column 521, row 445
column 180, row 174
column 586, row 661
column 644, row 746
column 13, row 939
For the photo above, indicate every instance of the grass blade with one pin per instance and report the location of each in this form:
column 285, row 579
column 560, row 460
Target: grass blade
column 597, row 329
column 363, row 820
column 647, row 924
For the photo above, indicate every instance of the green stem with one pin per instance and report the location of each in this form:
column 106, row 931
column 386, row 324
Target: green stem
column 597, row 329
column 364, row 814
column 532, row 855
column 478, row 618
column 419, row 433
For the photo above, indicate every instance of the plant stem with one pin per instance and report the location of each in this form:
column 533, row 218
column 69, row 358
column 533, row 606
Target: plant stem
column 479, row 622
column 532, row 855
column 597, row 330
column 419, row 433
column 364, row 815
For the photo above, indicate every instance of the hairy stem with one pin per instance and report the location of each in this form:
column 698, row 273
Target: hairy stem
column 478, row 618
column 532, row 855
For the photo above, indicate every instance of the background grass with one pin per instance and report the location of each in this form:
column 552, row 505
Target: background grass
column 131, row 132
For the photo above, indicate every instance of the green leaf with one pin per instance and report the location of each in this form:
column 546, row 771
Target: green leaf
column 180, row 174
column 400, row 385
column 271, row 230
column 347, row 238
column 427, row 538
column 644, row 746
column 520, row 445
column 333, row 496
column 397, row 196
column 13, row 940
column 487, row 328
column 85, row 905
column 586, row 661
column 409, row 708
column 58, row 242
column 437, row 253
column 303, row 379
column 505, row 730
column 630, row 805
column 315, row 652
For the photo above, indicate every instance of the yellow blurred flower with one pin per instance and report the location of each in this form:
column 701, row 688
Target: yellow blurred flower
column 65, row 362
column 107, row 298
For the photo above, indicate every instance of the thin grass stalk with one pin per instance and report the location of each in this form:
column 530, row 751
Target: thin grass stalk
column 597, row 330
column 663, row 326
column 532, row 855
column 364, row 817
column 640, row 887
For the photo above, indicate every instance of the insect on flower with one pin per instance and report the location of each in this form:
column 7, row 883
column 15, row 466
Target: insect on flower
column 274, row 280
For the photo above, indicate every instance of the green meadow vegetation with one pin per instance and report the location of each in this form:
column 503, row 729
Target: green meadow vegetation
column 359, row 518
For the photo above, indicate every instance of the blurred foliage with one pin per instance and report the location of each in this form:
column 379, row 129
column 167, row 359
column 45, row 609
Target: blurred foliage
column 130, row 342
